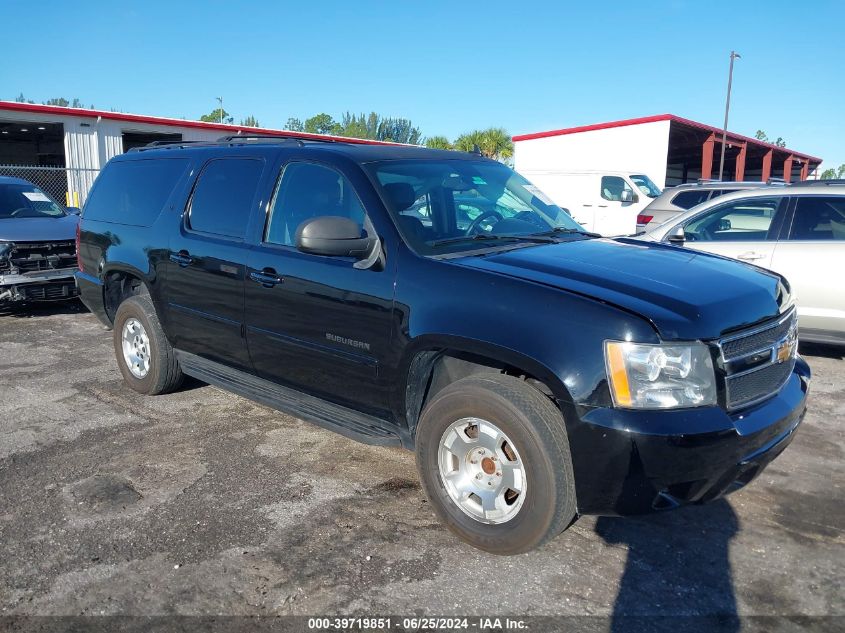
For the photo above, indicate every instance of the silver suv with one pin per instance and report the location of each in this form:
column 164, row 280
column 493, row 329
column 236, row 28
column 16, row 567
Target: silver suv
column 676, row 200
column 796, row 230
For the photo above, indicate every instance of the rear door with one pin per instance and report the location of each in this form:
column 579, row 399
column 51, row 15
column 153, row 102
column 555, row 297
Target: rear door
column 317, row 323
column 206, row 263
column 744, row 229
column 811, row 255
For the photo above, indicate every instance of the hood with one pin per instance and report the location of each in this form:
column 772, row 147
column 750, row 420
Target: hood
column 685, row 294
column 38, row 229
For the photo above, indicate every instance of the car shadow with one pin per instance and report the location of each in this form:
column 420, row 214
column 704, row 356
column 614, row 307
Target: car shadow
column 836, row 352
column 47, row 308
column 678, row 573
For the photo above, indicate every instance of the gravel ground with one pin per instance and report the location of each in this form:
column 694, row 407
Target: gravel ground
column 203, row 503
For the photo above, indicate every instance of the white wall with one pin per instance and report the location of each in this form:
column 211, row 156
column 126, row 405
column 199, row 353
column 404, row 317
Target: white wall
column 641, row 148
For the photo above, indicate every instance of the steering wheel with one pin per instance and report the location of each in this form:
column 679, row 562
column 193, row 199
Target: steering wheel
column 473, row 227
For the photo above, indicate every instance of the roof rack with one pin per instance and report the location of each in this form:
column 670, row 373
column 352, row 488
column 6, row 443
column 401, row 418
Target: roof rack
column 811, row 183
column 272, row 138
column 164, row 144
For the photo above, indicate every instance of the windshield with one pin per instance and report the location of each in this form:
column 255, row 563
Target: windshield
column 447, row 206
column 26, row 201
column 645, row 185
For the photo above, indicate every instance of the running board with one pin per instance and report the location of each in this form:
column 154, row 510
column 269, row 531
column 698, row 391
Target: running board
column 334, row 417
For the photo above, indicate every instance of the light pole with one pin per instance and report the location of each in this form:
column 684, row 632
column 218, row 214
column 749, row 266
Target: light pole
column 220, row 99
column 734, row 55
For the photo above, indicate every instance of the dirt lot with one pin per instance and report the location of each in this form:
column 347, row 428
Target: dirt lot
column 201, row 502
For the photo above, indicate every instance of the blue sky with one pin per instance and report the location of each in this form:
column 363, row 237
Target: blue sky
column 448, row 66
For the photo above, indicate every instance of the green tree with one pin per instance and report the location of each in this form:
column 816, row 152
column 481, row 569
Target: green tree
column 250, row 121
column 218, row 115
column 493, row 143
column 294, row 125
column 320, row 124
column 77, row 104
column 761, row 136
column 780, row 142
column 438, row 142
column 57, row 101
column 833, row 173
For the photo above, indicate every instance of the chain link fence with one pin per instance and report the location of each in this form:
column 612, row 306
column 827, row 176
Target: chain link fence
column 68, row 186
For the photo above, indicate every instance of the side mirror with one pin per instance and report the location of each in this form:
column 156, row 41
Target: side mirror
column 628, row 196
column 333, row 236
column 677, row 236
column 73, row 210
column 724, row 225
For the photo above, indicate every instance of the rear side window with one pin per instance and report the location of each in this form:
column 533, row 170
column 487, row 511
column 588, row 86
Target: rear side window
column 688, row 199
column 134, row 191
column 223, row 196
column 819, row 219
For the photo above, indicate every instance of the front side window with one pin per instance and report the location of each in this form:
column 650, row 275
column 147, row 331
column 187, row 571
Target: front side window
column 748, row 220
column 306, row 191
column 447, row 206
column 26, row 201
column 223, row 196
column 689, row 199
column 819, row 218
column 645, row 185
column 612, row 188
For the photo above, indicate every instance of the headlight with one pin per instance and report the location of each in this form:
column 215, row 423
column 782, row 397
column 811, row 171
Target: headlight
column 660, row 376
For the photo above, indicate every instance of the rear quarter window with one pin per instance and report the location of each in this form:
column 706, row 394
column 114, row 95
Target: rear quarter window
column 134, row 191
column 689, row 199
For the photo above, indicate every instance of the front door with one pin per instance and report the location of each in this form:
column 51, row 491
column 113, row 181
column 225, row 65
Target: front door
column 206, row 265
column 613, row 215
column 744, row 229
column 317, row 323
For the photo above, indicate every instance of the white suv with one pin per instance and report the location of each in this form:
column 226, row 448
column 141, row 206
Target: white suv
column 796, row 230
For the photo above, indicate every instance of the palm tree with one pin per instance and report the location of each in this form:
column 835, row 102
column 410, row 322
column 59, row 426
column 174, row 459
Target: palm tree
column 493, row 142
column 438, row 142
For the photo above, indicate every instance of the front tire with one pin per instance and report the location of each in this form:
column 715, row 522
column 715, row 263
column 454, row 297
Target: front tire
column 144, row 355
column 494, row 460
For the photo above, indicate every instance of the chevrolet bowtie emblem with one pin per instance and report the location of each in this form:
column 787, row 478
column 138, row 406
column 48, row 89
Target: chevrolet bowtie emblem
column 784, row 350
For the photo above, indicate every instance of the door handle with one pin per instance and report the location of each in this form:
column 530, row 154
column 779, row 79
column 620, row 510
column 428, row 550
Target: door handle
column 182, row 258
column 267, row 277
column 750, row 256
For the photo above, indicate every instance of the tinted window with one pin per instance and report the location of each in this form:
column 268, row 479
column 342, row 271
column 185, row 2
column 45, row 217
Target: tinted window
column 133, row 191
column 721, row 192
column 305, row 191
column 746, row 220
column 819, row 219
column 612, row 187
column 688, row 199
column 223, row 196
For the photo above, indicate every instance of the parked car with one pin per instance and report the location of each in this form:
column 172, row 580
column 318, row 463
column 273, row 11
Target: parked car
column 538, row 372
column 37, row 245
column 675, row 200
column 606, row 202
column 798, row 231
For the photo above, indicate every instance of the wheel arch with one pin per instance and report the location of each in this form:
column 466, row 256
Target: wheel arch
column 432, row 363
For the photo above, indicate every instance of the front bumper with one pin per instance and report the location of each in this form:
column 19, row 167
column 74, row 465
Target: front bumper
column 632, row 462
column 47, row 285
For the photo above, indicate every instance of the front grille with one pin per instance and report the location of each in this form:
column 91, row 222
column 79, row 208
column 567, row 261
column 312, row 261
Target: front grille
column 759, row 348
column 30, row 257
column 54, row 291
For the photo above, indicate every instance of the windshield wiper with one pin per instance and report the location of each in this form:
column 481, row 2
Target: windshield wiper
column 560, row 230
column 529, row 237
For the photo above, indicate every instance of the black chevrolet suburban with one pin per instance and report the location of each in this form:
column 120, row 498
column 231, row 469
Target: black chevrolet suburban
column 438, row 301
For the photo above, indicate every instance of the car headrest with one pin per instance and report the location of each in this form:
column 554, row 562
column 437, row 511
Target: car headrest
column 400, row 195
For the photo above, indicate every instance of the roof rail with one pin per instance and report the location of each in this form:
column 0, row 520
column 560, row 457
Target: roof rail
column 775, row 181
column 272, row 138
column 811, row 183
column 164, row 144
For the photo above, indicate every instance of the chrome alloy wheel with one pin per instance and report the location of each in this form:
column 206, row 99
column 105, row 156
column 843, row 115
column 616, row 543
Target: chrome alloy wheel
column 136, row 348
column 481, row 470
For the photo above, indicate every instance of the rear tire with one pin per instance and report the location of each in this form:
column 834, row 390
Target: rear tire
column 144, row 355
column 494, row 460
